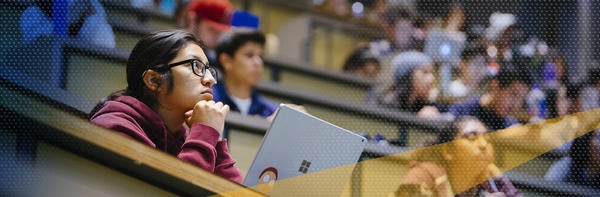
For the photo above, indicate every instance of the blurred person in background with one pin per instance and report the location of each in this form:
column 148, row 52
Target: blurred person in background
column 556, row 85
column 507, row 45
column 165, row 6
column 362, row 63
column 583, row 164
column 412, row 90
column 472, row 70
column 84, row 23
column 397, row 24
column 413, row 87
column 340, row 8
column 240, row 55
column 499, row 107
column 207, row 20
column 589, row 97
column 462, row 164
column 579, row 98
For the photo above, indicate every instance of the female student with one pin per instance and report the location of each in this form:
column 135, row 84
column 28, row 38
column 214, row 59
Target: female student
column 413, row 82
column 169, row 83
column 461, row 165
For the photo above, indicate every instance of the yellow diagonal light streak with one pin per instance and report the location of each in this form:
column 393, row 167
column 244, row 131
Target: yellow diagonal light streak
column 527, row 142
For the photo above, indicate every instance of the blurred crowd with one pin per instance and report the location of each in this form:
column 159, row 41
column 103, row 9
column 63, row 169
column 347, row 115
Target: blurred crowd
column 431, row 65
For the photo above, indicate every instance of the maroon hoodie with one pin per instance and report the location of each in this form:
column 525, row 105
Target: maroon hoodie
column 200, row 146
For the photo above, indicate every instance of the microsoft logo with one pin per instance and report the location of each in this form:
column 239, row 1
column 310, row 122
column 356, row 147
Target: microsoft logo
column 304, row 166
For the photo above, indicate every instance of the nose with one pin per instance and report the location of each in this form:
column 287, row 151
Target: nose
column 482, row 142
column 430, row 78
column 258, row 61
column 208, row 80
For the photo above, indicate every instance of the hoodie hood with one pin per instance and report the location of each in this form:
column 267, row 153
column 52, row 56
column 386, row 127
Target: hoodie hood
column 138, row 114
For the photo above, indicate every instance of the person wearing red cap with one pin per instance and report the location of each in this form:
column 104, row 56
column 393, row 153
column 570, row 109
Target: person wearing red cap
column 207, row 19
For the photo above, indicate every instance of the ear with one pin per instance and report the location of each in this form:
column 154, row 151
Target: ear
column 152, row 80
column 445, row 152
column 225, row 61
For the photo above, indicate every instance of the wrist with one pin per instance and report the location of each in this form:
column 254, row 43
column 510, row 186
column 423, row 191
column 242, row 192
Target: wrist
column 200, row 131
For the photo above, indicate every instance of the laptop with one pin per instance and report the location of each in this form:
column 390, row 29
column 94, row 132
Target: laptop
column 304, row 155
column 445, row 47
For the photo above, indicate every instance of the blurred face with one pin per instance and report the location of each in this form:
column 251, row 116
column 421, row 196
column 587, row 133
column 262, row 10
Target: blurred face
column 247, row 64
column 474, row 70
column 403, row 33
column 188, row 88
column 456, row 18
column 512, row 98
column 422, row 80
column 470, row 149
column 371, row 69
column 208, row 34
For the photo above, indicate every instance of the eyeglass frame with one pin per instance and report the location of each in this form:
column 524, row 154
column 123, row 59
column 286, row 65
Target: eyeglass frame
column 203, row 69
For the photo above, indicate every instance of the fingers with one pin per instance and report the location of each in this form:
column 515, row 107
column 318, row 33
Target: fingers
column 210, row 113
column 219, row 105
column 225, row 109
column 210, row 103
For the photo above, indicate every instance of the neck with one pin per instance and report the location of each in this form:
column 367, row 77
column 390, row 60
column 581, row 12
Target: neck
column 173, row 119
column 237, row 89
column 411, row 99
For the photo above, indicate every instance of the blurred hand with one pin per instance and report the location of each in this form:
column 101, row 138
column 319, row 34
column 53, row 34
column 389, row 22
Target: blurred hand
column 293, row 106
column 209, row 113
column 493, row 171
column 496, row 194
column 297, row 107
column 428, row 112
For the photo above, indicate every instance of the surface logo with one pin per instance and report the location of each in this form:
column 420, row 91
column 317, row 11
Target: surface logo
column 304, row 166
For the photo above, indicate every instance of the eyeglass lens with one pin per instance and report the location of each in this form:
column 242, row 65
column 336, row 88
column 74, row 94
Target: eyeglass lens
column 200, row 70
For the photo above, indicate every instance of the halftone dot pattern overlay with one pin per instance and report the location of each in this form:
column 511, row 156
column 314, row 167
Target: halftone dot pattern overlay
column 541, row 138
column 78, row 49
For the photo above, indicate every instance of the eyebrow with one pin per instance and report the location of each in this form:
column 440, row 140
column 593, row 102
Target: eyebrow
column 473, row 132
column 198, row 58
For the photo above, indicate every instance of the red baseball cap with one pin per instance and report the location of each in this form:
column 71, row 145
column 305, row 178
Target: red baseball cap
column 217, row 13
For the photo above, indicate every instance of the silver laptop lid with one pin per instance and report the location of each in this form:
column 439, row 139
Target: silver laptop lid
column 300, row 144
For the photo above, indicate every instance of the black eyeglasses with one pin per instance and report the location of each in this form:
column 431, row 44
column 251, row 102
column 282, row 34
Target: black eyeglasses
column 198, row 70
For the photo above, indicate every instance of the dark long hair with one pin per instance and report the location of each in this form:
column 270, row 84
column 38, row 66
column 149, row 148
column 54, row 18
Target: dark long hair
column 359, row 58
column 580, row 156
column 405, row 64
column 402, row 90
column 151, row 52
column 448, row 134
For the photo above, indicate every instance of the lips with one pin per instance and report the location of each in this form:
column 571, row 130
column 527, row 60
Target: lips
column 208, row 93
